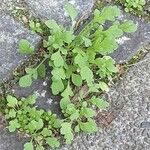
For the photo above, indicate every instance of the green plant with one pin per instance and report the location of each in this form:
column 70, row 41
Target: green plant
column 76, row 61
column 35, row 26
column 134, row 4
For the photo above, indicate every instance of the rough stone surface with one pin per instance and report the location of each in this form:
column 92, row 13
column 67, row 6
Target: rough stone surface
column 130, row 43
column 11, row 33
column 41, row 87
column 126, row 132
column 53, row 9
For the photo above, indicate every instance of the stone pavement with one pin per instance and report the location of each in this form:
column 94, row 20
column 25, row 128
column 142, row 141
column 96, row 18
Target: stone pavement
column 131, row 129
column 131, row 93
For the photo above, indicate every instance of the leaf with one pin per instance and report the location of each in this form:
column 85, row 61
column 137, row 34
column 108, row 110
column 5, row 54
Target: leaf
column 81, row 60
column 76, row 79
column 52, row 142
column 70, row 109
column 24, row 47
column 12, row 101
column 68, row 37
column 58, row 73
column 89, row 127
column 41, row 70
column 75, row 115
column 13, row 125
column 28, row 146
column 39, row 147
column 67, row 92
column 57, row 86
column 87, row 41
column 103, row 86
column 58, row 60
column 12, row 113
column 25, row 81
column 87, row 74
column 128, row 26
column 66, row 130
column 64, row 102
column 31, row 99
column 100, row 103
column 70, row 9
column 87, row 112
column 46, row 132
column 52, row 25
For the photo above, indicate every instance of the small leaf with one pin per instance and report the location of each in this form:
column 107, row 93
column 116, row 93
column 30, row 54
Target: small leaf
column 58, row 73
column 24, row 47
column 67, row 92
column 58, row 60
column 87, row 112
column 87, row 41
column 89, row 127
column 128, row 26
column 52, row 142
column 100, row 103
column 41, row 70
column 52, row 25
column 28, row 146
column 12, row 101
column 57, row 87
column 68, row 37
column 70, row 9
column 103, row 86
column 76, row 79
column 25, row 81
column 39, row 147
column 64, row 103
column 87, row 74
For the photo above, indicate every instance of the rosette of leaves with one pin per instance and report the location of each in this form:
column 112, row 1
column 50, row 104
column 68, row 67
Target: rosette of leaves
column 75, row 61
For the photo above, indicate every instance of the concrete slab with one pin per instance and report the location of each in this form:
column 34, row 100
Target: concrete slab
column 54, row 9
column 11, row 32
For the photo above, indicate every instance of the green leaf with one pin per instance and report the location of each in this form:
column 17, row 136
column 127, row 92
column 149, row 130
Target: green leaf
column 64, row 102
column 57, row 86
column 70, row 109
column 86, row 41
column 12, row 101
column 67, row 92
column 39, row 147
column 89, row 127
column 24, row 47
column 12, row 113
column 76, row 79
column 81, row 60
column 58, row 73
column 52, row 25
column 75, row 115
column 31, row 99
column 28, row 146
column 128, row 26
column 52, row 142
column 103, row 86
column 70, row 9
column 13, row 125
column 46, row 132
column 87, row 74
column 66, row 130
column 58, row 60
column 87, row 112
column 25, row 81
column 68, row 37
column 41, row 70
column 100, row 103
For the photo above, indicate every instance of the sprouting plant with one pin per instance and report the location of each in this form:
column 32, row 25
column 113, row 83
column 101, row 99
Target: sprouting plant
column 134, row 4
column 76, row 60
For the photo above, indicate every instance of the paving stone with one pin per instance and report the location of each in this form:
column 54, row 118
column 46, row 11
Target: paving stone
column 125, row 133
column 11, row 33
column 129, row 44
column 53, row 9
column 41, row 87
